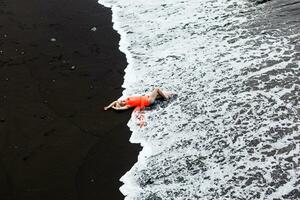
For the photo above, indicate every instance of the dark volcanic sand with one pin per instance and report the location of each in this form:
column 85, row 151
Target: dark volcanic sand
column 56, row 142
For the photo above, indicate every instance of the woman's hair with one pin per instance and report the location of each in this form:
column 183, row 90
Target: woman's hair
column 121, row 102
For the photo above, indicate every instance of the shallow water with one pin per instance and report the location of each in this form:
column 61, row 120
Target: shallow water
column 233, row 130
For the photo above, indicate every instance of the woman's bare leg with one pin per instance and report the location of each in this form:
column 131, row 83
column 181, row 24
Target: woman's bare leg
column 162, row 94
column 157, row 94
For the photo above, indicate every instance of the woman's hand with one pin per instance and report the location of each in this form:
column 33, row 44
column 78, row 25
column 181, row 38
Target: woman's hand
column 110, row 105
column 142, row 124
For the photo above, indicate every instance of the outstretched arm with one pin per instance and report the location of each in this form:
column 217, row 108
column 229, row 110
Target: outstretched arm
column 139, row 114
column 120, row 108
column 110, row 105
column 137, row 109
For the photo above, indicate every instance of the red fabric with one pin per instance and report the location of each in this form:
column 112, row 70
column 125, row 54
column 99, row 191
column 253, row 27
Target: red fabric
column 138, row 101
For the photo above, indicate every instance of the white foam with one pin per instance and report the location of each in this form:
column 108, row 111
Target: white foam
column 232, row 128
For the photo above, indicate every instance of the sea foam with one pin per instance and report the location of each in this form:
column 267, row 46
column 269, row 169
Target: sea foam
column 233, row 130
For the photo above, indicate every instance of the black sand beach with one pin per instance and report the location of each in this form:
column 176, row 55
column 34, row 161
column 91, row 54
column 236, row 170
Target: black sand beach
column 56, row 74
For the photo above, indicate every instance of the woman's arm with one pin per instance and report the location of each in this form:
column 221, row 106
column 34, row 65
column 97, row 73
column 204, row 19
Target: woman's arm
column 120, row 108
column 110, row 105
column 139, row 114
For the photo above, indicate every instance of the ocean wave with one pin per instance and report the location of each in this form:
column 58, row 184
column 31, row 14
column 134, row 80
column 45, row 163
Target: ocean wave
column 233, row 130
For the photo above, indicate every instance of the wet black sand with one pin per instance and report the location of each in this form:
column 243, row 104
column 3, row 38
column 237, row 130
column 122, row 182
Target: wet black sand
column 56, row 142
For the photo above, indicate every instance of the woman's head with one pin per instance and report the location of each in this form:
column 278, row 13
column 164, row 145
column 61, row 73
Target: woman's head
column 122, row 102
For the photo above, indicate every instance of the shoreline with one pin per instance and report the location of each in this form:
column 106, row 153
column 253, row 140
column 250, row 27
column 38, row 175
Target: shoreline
column 56, row 141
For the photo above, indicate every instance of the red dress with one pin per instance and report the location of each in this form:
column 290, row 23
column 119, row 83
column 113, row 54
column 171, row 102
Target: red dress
column 138, row 101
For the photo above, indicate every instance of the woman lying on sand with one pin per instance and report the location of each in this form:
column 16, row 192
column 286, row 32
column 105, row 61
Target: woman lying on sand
column 139, row 102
